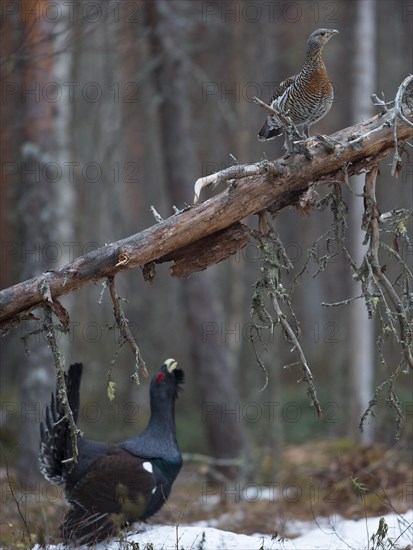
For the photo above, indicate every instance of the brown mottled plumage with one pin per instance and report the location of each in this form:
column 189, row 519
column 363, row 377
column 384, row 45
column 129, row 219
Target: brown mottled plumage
column 306, row 97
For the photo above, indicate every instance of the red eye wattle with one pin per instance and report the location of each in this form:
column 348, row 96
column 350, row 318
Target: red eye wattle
column 160, row 377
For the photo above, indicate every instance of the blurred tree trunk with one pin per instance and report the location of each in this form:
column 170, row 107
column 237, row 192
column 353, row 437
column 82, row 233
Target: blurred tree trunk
column 215, row 379
column 36, row 210
column 361, row 348
column 62, row 110
column 97, row 151
column 130, row 66
column 235, row 269
column 9, row 132
column 65, row 189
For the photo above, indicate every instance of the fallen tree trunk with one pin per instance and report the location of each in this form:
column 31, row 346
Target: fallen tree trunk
column 187, row 235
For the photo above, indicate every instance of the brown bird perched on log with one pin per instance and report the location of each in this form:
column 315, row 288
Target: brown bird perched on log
column 306, row 97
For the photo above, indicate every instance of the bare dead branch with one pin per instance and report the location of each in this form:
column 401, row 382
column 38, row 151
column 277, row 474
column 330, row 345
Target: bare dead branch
column 398, row 113
column 372, row 257
column 344, row 139
column 392, row 401
column 274, row 185
column 284, row 119
column 270, row 283
column 380, row 295
column 292, row 337
column 212, row 460
column 398, row 102
column 125, row 332
column 156, row 215
column 233, row 172
column 59, row 363
column 342, row 302
column 207, row 251
column 255, row 331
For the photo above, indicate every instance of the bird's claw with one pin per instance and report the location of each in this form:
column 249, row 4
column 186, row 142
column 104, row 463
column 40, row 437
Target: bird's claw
column 327, row 142
column 301, row 148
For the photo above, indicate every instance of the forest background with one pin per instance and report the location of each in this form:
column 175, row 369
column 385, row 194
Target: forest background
column 111, row 107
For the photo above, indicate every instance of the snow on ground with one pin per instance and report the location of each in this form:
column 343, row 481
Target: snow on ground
column 334, row 533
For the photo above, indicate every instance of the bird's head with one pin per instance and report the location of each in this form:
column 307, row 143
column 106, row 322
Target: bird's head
column 320, row 37
column 168, row 380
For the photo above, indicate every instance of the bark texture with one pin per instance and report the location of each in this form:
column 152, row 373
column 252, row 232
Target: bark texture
column 279, row 184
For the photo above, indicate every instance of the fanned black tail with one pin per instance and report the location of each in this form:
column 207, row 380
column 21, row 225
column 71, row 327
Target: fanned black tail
column 55, row 444
column 83, row 527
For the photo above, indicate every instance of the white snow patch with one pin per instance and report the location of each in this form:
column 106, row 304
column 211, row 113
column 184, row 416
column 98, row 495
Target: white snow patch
column 334, row 533
column 211, row 500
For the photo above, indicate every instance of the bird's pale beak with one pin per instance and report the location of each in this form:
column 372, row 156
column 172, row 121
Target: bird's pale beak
column 170, row 364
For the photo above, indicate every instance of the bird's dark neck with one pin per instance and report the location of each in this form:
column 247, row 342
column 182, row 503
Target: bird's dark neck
column 162, row 417
column 159, row 437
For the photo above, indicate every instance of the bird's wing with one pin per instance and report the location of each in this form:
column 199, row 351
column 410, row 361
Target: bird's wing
column 115, row 488
column 280, row 89
column 273, row 126
column 115, row 483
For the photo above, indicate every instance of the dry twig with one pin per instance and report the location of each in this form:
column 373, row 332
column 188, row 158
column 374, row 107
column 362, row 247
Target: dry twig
column 274, row 261
column 16, row 500
column 284, row 119
column 372, row 258
column 233, row 173
column 125, row 332
column 292, row 337
column 59, row 362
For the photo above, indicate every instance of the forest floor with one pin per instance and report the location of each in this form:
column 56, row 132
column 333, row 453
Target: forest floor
column 313, row 480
